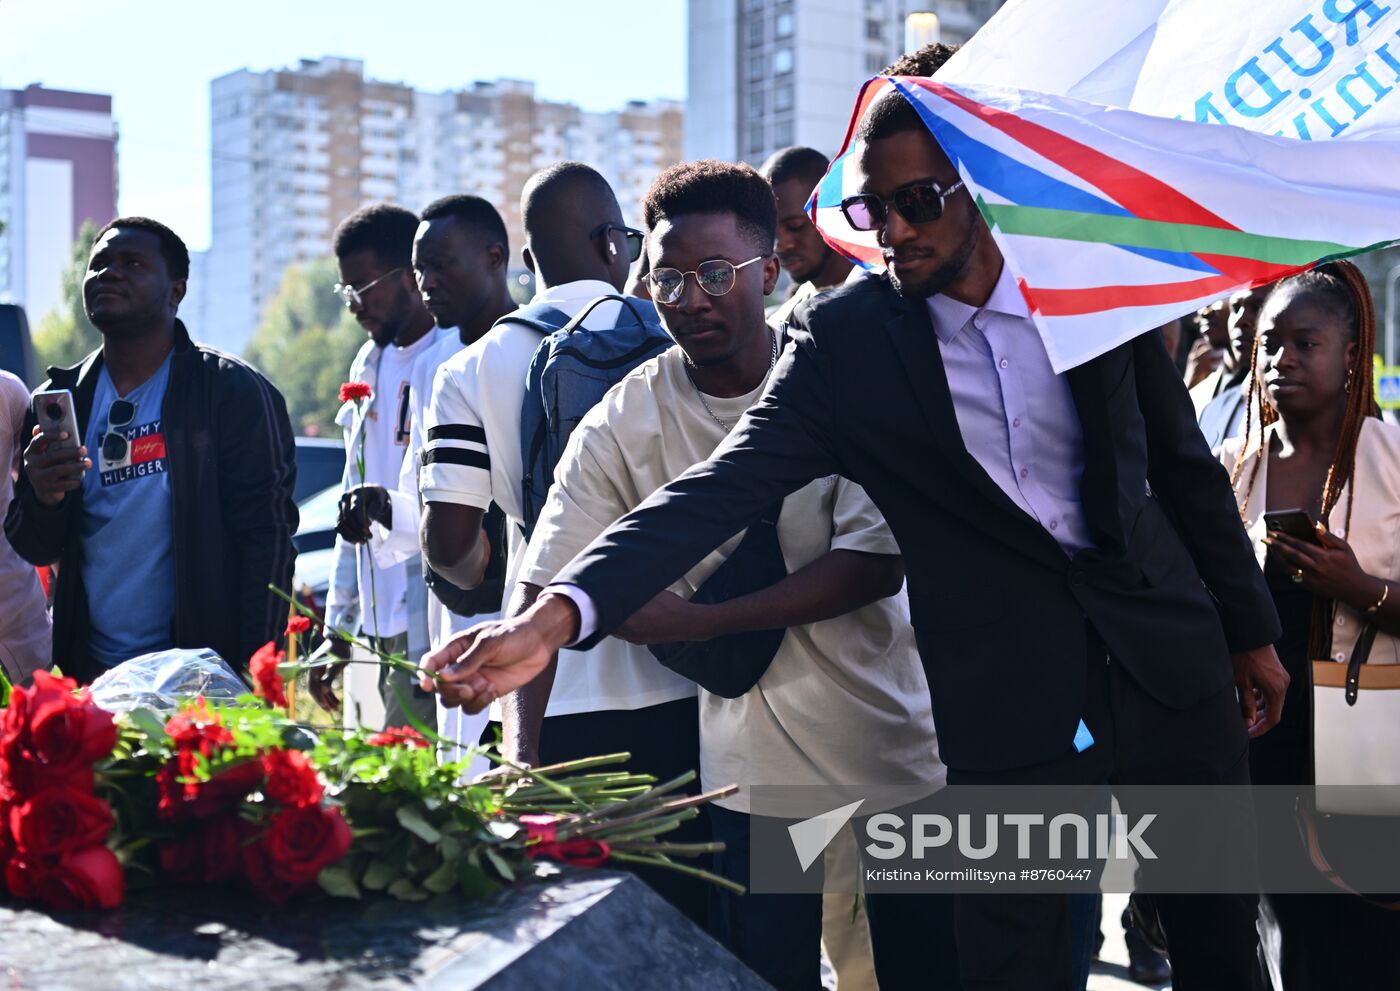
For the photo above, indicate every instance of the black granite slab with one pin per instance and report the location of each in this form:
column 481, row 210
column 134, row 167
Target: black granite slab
column 585, row 929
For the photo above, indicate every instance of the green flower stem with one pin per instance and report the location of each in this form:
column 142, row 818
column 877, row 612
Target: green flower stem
column 660, row 861
column 675, row 849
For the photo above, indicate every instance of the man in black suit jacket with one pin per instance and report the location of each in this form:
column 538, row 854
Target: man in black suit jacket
column 1143, row 627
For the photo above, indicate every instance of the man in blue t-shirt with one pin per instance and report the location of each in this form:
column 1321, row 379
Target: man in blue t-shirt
column 174, row 515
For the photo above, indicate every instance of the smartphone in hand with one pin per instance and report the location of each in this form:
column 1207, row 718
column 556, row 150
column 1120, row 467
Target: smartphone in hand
column 1294, row 522
column 55, row 412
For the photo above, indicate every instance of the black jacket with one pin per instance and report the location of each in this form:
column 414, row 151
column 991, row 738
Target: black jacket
column 232, row 467
column 1000, row 610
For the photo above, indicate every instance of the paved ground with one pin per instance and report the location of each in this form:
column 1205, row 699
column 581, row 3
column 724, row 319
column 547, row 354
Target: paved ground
column 1111, row 972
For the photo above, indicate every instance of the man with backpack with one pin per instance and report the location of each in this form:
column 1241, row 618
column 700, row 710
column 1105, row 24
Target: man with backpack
column 615, row 697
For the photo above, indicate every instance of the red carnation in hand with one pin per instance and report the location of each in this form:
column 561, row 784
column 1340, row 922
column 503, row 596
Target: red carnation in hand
column 353, row 392
column 291, row 779
column 298, row 625
column 90, row 878
column 267, row 681
column 404, row 736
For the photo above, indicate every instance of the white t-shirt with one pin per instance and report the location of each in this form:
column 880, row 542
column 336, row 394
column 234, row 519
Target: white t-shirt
column 845, row 701
column 383, row 609
column 477, row 397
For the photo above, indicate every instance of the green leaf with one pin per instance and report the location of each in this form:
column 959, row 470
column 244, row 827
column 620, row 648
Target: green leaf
column 4, row 689
column 338, row 882
column 442, row 880
column 412, row 820
column 475, row 882
column 499, row 862
column 379, row 875
column 147, row 722
column 406, row 891
column 450, row 848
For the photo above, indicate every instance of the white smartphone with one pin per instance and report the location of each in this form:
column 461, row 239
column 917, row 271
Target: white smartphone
column 54, row 410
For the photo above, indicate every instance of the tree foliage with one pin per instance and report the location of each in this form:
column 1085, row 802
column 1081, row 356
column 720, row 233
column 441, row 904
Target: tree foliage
column 64, row 335
column 305, row 344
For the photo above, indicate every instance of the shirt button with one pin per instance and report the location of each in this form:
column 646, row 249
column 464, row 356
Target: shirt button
column 1341, row 620
column 1016, row 422
column 1025, row 473
column 979, row 320
column 1005, row 363
column 1054, row 524
column 1339, row 656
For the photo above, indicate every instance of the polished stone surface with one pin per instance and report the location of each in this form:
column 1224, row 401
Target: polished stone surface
column 594, row 929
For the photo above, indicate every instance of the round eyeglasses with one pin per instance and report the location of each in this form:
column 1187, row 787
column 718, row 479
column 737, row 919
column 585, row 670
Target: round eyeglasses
column 716, row 277
column 353, row 296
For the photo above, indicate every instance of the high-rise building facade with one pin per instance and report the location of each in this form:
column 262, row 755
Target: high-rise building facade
column 765, row 74
column 58, row 169
column 294, row 151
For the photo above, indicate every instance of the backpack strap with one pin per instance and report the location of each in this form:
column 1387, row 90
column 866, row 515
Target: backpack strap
column 542, row 318
column 628, row 301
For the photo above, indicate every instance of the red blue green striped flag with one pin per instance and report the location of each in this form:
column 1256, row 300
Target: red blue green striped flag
column 1114, row 222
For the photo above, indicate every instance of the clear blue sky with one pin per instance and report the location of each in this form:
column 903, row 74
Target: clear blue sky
column 156, row 58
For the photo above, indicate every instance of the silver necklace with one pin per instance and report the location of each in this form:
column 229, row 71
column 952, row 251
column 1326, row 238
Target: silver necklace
column 726, row 427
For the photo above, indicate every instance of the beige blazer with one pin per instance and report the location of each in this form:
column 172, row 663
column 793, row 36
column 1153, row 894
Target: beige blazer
column 1375, row 523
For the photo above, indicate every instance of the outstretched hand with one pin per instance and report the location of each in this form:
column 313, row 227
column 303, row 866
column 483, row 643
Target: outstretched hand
column 493, row 659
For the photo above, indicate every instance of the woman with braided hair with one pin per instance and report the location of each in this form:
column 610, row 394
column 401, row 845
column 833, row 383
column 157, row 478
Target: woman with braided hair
column 1313, row 441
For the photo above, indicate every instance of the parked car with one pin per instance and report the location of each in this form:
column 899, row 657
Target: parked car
column 16, row 349
column 320, row 463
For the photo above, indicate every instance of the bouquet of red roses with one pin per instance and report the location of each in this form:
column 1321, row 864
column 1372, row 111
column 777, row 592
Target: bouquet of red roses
column 243, row 794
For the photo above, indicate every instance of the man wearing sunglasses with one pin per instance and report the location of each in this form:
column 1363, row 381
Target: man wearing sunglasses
column 373, row 250
column 1076, row 624
column 173, row 513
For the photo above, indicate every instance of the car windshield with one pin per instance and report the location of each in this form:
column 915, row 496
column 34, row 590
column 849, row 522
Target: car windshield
column 320, row 511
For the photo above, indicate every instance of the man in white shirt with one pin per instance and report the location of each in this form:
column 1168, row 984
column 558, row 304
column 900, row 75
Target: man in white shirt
column 373, row 249
column 617, row 696
column 461, row 255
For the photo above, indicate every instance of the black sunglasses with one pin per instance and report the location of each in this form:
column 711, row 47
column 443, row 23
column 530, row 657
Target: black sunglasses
column 114, row 442
column 633, row 237
column 918, row 203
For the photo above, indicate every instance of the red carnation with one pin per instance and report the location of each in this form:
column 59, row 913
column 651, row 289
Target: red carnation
column 291, row 779
column 267, row 682
column 404, row 736
column 90, row 878
column 353, row 392
column 183, row 796
column 58, row 821
column 298, row 624
column 298, row 843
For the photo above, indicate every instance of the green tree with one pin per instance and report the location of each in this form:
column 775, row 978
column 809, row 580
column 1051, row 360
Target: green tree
column 65, row 335
column 305, row 344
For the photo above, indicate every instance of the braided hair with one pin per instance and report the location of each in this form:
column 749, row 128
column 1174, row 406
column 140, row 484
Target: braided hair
column 1343, row 288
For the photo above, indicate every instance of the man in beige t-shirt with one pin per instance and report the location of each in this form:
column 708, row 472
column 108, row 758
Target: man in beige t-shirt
column 26, row 639
column 844, row 701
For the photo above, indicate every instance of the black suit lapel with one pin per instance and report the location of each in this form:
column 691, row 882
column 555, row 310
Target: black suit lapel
column 911, row 330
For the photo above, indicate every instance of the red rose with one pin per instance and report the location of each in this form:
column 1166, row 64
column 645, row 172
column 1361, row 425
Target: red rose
column 404, row 736
column 353, row 392
column 267, row 682
column 58, row 820
column 50, row 737
column 298, row 624
column 291, row 779
column 209, row 855
column 298, row 843
column 90, row 878
column 191, row 798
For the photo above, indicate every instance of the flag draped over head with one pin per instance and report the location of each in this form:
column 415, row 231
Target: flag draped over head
column 1114, row 221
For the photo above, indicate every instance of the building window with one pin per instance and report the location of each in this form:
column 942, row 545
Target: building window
column 754, row 4
column 782, row 97
column 782, row 61
column 756, row 103
column 755, row 139
column 755, row 31
column 782, row 133
column 782, row 27
column 874, row 63
column 756, row 67
column 874, row 30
